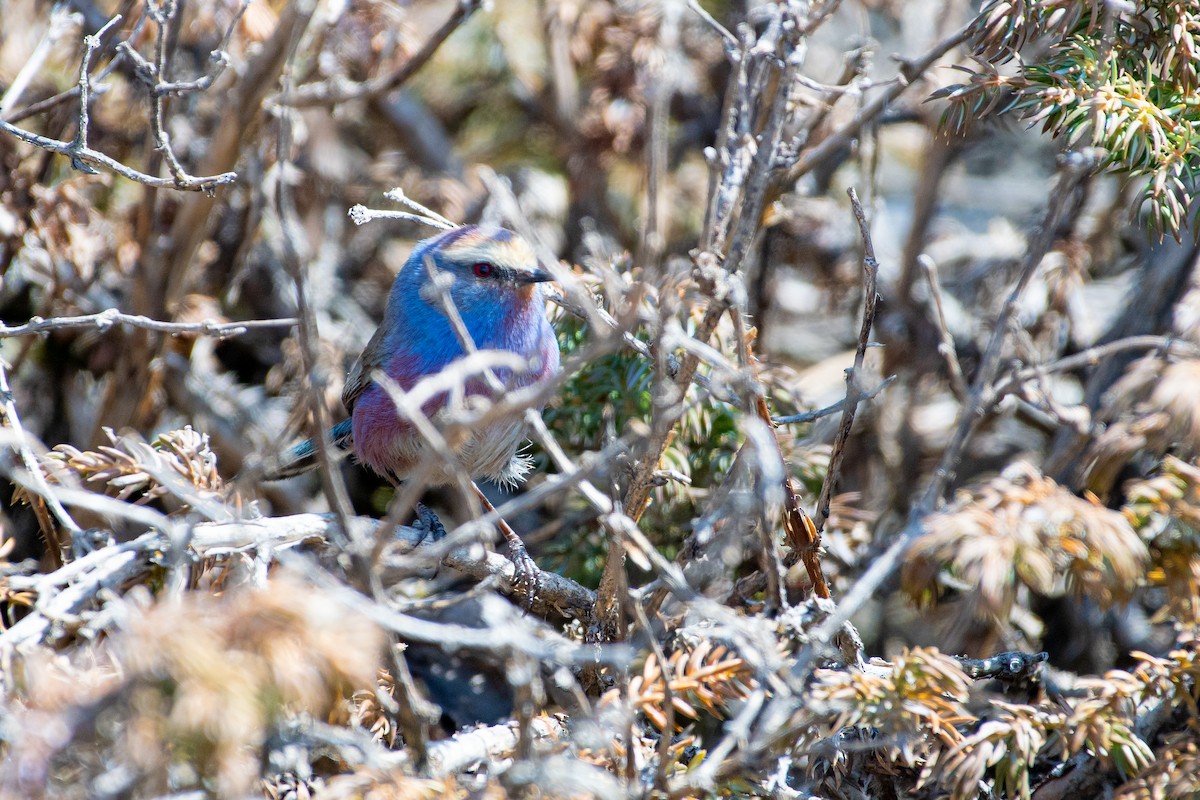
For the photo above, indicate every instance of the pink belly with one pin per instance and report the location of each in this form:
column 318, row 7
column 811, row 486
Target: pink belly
column 392, row 447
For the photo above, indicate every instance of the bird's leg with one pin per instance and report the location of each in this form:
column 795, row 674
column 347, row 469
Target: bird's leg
column 526, row 575
column 427, row 521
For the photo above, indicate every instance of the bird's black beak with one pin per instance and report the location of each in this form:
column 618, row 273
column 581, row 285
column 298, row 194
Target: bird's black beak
column 537, row 276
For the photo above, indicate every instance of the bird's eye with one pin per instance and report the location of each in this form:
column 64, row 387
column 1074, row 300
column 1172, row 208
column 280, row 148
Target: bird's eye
column 483, row 269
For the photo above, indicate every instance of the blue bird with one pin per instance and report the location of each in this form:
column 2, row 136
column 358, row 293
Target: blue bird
column 496, row 289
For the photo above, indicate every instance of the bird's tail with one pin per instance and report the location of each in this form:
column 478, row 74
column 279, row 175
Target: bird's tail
column 303, row 456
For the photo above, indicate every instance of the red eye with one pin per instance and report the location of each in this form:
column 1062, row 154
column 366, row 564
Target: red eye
column 482, row 269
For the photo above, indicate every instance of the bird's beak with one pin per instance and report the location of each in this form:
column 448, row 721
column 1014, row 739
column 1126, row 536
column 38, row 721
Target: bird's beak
column 536, row 276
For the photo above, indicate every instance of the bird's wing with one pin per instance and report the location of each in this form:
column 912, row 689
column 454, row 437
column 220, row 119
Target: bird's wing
column 372, row 358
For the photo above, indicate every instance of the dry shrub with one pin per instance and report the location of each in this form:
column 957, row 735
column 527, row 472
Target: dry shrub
column 187, row 693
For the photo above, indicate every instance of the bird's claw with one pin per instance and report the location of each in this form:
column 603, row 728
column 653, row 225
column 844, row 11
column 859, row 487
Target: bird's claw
column 526, row 575
column 427, row 521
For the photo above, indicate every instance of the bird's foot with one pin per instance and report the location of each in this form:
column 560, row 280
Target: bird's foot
column 526, row 576
column 427, row 521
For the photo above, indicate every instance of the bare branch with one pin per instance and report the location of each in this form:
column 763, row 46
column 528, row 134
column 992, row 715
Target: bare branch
column 340, row 90
column 958, row 383
column 84, row 159
column 37, row 477
column 854, row 392
column 103, row 320
column 813, row 416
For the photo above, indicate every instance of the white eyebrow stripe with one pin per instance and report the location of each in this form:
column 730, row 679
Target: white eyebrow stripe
column 514, row 254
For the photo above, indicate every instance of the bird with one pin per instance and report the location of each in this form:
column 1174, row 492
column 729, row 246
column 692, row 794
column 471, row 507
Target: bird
column 495, row 286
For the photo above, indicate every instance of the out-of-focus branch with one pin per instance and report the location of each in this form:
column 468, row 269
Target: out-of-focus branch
column 490, row 745
column 29, row 461
column 339, row 90
column 1094, row 356
column 833, row 408
column 958, row 383
column 854, row 391
column 62, row 22
column 910, row 70
column 103, row 320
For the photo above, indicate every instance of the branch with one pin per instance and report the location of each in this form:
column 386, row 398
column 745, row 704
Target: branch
column 816, row 414
column 1094, row 356
column 910, row 71
column 91, row 158
column 85, row 159
column 114, row 565
column 958, row 382
column 555, row 593
column 104, row 320
column 853, row 392
column 339, row 90
column 490, row 745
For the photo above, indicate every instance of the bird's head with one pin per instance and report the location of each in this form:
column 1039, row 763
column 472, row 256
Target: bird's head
column 479, row 265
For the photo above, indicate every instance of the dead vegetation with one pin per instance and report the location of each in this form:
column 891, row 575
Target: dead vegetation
column 872, row 467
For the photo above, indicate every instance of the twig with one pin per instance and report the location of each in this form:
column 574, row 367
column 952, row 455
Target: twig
column 161, row 87
column 38, row 478
column 155, row 77
column 332, row 484
column 958, row 383
column 816, row 414
column 853, row 391
column 103, row 320
column 1093, row 356
column 361, row 215
column 730, row 40
column 398, row 195
column 84, row 159
column 87, row 156
column 339, row 90
column 90, row 43
column 910, row 71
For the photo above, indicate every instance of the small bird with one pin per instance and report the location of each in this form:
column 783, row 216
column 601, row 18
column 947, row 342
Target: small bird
column 496, row 289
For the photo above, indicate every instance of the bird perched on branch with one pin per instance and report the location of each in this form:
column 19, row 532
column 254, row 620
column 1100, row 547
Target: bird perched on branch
column 489, row 279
